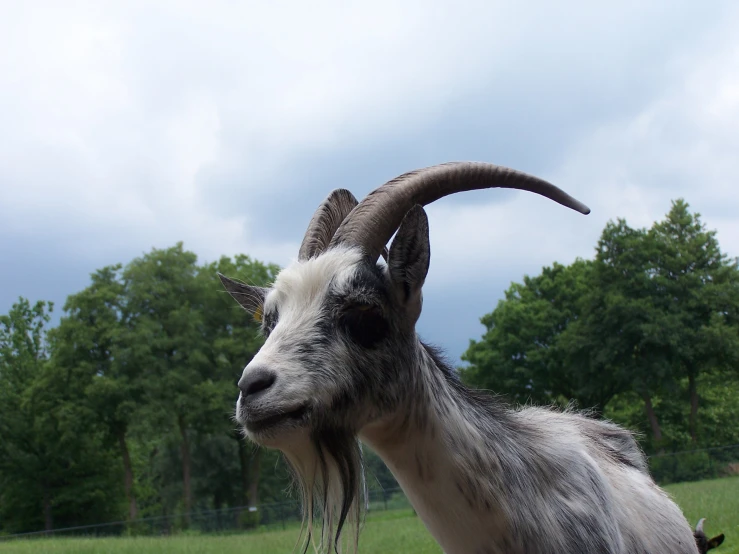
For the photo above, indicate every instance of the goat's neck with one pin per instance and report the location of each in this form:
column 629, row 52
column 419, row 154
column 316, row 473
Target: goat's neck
column 443, row 455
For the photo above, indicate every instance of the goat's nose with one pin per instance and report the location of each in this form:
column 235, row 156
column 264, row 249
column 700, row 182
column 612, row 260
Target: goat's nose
column 256, row 381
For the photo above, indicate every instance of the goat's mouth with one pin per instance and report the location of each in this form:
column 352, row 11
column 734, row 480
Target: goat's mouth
column 259, row 423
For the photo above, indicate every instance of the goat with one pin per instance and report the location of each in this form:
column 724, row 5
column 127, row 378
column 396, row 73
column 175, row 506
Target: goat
column 701, row 539
column 342, row 365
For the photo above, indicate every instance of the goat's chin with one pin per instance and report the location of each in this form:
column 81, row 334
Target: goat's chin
column 272, row 426
column 284, row 437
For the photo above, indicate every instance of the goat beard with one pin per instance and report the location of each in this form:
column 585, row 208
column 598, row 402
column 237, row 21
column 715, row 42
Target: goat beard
column 329, row 475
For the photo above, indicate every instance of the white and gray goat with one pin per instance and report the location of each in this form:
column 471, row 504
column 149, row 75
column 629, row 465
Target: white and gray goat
column 342, row 362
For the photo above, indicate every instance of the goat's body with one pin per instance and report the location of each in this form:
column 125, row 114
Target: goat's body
column 486, row 479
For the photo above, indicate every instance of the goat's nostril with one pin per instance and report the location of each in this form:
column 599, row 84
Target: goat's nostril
column 256, row 381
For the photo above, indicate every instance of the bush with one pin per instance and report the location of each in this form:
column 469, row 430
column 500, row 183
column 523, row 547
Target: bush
column 249, row 519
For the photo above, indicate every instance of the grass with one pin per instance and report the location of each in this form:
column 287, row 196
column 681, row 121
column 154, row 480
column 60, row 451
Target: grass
column 391, row 531
column 718, row 501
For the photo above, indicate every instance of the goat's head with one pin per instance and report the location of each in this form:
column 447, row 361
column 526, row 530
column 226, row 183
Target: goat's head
column 340, row 328
column 701, row 539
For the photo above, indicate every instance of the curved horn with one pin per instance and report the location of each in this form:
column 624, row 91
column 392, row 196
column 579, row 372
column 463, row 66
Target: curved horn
column 326, row 219
column 699, row 527
column 374, row 220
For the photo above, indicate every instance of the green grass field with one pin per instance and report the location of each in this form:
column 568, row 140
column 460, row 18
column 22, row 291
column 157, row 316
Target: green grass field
column 717, row 500
column 392, row 531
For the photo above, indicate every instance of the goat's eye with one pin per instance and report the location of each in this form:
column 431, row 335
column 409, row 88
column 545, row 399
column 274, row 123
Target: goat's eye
column 365, row 324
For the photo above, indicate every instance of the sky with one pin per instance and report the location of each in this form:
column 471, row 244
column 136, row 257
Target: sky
column 128, row 126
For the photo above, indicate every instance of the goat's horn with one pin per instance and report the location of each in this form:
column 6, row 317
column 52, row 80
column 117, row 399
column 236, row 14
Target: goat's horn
column 699, row 527
column 326, row 219
column 376, row 218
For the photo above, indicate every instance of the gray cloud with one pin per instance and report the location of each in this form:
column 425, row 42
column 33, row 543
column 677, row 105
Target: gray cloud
column 136, row 126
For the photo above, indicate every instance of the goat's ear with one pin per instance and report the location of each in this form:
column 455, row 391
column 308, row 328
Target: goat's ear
column 715, row 541
column 250, row 297
column 408, row 261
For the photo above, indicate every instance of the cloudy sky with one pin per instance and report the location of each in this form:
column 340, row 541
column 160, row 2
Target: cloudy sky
column 132, row 125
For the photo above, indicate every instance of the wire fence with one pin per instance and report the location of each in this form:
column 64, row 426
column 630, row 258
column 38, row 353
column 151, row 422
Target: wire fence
column 234, row 519
column 666, row 468
column 695, row 465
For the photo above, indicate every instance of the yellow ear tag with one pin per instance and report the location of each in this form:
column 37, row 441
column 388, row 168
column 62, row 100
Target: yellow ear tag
column 258, row 314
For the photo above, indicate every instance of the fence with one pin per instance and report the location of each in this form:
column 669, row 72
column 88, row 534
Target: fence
column 235, row 519
column 666, row 468
column 695, row 465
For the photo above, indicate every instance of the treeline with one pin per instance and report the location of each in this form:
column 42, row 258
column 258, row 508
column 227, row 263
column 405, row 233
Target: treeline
column 646, row 334
column 124, row 409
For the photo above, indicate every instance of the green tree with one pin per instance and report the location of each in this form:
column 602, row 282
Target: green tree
column 519, row 354
column 621, row 339
column 654, row 311
column 54, row 465
column 23, row 353
column 696, row 293
column 136, row 385
column 91, row 339
column 191, row 346
column 165, row 336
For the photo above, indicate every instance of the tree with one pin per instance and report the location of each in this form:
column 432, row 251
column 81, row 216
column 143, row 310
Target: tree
column 652, row 312
column 126, row 406
column 90, row 338
column 519, row 354
column 697, row 296
column 54, row 466
column 23, row 353
column 190, row 345
column 622, row 338
column 166, row 341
